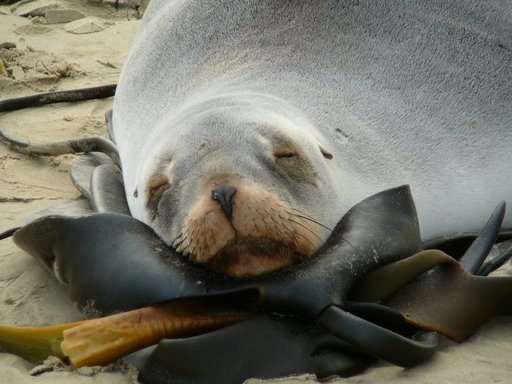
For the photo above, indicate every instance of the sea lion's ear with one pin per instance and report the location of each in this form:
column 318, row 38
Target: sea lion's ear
column 325, row 153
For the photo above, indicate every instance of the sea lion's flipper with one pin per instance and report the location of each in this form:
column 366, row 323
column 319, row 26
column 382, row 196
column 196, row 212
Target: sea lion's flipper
column 107, row 190
column 82, row 170
column 83, row 145
column 100, row 181
column 259, row 348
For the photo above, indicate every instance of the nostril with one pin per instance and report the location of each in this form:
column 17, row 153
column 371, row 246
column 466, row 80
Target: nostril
column 224, row 196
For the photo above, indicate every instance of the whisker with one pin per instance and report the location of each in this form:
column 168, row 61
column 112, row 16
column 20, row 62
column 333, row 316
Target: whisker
column 282, row 224
column 278, row 225
column 178, row 244
column 186, row 247
column 179, row 237
column 272, row 213
column 307, row 217
column 289, row 207
column 305, row 227
column 299, row 234
column 353, row 246
column 285, row 221
column 310, row 220
column 303, row 215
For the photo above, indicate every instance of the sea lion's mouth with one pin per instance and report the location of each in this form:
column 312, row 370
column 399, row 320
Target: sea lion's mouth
column 251, row 257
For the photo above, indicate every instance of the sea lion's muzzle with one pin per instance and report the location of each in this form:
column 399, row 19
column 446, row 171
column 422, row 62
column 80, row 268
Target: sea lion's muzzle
column 240, row 228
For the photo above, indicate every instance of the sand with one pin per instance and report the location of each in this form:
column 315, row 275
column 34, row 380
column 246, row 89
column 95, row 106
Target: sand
column 51, row 57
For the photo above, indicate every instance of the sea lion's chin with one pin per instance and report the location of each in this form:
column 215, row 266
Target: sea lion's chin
column 253, row 257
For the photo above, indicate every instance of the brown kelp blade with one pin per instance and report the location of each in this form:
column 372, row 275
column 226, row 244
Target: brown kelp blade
column 466, row 301
column 103, row 340
column 385, row 281
column 447, row 299
column 34, row 343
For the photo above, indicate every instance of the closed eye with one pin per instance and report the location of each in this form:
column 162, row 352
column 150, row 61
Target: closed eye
column 287, row 158
column 285, row 155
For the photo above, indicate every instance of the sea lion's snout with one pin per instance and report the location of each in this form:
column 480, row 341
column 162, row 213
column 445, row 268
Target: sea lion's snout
column 242, row 229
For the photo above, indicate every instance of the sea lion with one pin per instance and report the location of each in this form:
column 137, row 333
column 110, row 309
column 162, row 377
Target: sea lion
column 225, row 194
column 246, row 129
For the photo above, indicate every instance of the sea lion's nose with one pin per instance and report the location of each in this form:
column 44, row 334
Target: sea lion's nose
column 223, row 194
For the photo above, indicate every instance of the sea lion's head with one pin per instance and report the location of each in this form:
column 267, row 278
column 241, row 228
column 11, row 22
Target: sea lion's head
column 240, row 188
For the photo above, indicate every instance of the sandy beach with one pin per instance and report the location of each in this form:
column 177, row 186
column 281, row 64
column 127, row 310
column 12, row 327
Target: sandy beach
column 40, row 57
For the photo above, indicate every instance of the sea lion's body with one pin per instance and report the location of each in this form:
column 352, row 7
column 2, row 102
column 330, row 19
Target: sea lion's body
column 231, row 93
